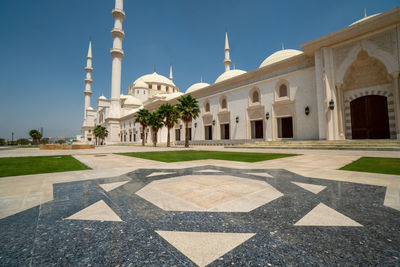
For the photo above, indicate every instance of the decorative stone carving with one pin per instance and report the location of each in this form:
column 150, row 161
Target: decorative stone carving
column 224, row 117
column 364, row 72
column 284, row 109
column 340, row 53
column 256, row 112
column 385, row 41
column 207, row 119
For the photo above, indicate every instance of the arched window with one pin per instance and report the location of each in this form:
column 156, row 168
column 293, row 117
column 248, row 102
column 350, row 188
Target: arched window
column 207, row 107
column 255, row 97
column 283, row 90
column 158, row 87
column 223, row 103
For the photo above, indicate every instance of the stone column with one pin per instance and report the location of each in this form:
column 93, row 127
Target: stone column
column 396, row 98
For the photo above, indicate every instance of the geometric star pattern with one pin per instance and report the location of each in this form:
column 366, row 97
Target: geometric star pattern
column 313, row 188
column 98, row 211
column 111, row 186
column 322, row 215
column 204, row 247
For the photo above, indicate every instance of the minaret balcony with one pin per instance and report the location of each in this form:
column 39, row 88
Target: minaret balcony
column 87, row 92
column 88, row 69
column 116, row 52
column 227, row 61
column 88, row 80
column 118, row 14
column 118, row 33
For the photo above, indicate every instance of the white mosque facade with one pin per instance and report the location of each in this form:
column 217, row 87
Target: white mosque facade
column 344, row 85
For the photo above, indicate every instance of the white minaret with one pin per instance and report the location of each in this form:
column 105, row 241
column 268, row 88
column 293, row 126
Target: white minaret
column 171, row 77
column 117, row 54
column 227, row 60
column 88, row 81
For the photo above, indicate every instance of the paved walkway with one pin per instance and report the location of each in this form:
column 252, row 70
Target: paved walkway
column 156, row 196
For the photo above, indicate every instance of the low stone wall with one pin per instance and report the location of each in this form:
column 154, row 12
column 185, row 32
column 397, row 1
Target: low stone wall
column 226, row 142
column 64, row 147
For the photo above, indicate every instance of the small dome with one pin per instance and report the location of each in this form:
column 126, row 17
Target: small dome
column 140, row 84
column 133, row 101
column 89, row 108
column 229, row 74
column 155, row 78
column 279, row 56
column 196, row 86
column 102, row 98
column 122, row 96
column 364, row 19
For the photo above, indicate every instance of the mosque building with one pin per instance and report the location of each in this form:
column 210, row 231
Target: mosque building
column 344, row 85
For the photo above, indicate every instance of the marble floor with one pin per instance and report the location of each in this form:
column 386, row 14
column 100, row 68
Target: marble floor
column 134, row 212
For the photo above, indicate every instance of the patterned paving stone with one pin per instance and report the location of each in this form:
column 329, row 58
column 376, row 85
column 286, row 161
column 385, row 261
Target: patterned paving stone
column 41, row 236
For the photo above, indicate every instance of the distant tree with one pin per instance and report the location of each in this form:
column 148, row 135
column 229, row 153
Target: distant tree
column 188, row 108
column 155, row 121
column 2, row 142
column 142, row 117
column 100, row 132
column 61, row 142
column 170, row 115
column 44, row 141
column 23, row 141
column 36, row 136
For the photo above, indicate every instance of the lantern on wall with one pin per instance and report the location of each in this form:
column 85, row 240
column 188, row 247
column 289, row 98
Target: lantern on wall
column 213, row 122
column 307, row 110
column 267, row 115
column 180, row 126
column 331, row 104
column 237, row 119
column 195, row 125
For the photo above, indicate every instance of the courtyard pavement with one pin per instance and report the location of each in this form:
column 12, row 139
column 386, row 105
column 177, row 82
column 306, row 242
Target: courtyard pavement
column 299, row 210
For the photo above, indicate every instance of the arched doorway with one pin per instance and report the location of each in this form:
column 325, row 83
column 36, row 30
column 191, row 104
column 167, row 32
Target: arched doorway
column 369, row 117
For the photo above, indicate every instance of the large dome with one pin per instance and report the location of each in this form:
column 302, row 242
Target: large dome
column 140, row 84
column 196, row 86
column 364, row 19
column 155, row 78
column 280, row 55
column 229, row 74
column 133, row 101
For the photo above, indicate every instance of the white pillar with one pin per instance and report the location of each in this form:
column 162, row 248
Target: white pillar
column 227, row 60
column 117, row 54
column 396, row 98
column 321, row 97
column 88, row 81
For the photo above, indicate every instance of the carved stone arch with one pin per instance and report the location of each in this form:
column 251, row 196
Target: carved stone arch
column 254, row 96
column 278, row 88
column 373, row 51
column 223, row 103
column 207, row 107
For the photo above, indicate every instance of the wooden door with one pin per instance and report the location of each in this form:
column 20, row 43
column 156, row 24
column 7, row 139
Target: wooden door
column 287, row 127
column 369, row 117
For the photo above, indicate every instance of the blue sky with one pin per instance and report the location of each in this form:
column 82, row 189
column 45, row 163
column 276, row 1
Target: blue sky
column 44, row 44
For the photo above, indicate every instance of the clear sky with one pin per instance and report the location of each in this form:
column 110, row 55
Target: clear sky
column 44, row 45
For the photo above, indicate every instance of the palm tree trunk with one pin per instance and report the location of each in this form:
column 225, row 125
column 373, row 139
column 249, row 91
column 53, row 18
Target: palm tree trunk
column 186, row 134
column 168, row 141
column 144, row 130
column 154, row 138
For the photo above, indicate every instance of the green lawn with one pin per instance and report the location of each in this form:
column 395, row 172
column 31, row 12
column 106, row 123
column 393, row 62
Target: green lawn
column 375, row 165
column 35, row 165
column 188, row 155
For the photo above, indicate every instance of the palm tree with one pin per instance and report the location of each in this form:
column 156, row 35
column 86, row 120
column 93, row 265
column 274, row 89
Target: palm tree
column 100, row 132
column 142, row 118
column 170, row 116
column 36, row 136
column 188, row 109
column 155, row 121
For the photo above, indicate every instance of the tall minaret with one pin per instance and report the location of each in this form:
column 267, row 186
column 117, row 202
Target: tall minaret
column 117, row 54
column 171, row 77
column 227, row 60
column 88, row 80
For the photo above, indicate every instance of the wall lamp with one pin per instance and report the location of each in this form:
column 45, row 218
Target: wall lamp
column 213, row 122
column 307, row 110
column 195, row 125
column 267, row 115
column 331, row 104
column 180, row 126
column 237, row 119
